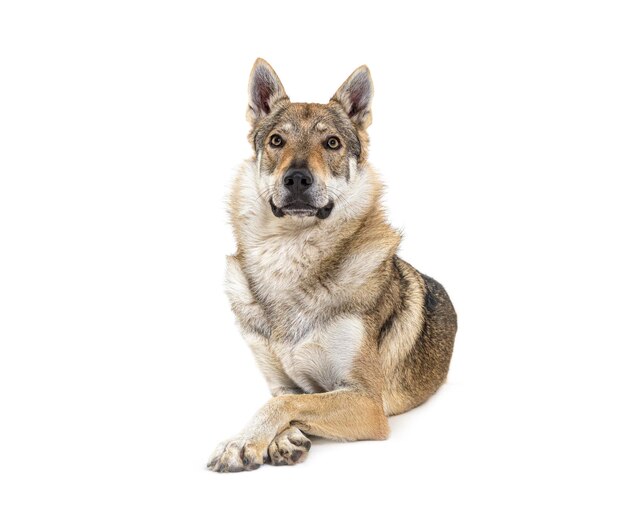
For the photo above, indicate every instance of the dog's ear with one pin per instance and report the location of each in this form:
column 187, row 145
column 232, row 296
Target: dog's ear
column 355, row 96
column 264, row 89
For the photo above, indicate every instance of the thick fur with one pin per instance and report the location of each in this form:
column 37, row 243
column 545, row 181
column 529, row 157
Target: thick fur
column 345, row 332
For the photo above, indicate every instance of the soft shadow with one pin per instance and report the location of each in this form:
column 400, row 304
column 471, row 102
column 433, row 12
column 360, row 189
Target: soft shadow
column 399, row 422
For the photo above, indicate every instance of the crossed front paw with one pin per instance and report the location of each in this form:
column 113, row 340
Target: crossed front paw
column 239, row 454
column 289, row 447
column 242, row 454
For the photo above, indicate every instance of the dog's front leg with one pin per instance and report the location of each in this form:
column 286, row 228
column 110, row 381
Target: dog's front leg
column 346, row 414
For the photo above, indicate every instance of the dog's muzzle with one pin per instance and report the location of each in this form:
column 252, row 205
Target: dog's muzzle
column 297, row 195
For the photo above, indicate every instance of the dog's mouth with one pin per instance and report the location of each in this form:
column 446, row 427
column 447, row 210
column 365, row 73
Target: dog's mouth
column 301, row 209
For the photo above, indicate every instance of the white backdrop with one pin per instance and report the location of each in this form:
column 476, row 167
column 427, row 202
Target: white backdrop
column 499, row 130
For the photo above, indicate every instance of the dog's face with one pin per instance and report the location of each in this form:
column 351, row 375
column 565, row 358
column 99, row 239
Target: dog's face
column 307, row 154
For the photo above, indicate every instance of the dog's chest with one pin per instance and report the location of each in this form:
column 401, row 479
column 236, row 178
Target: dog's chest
column 323, row 360
column 278, row 265
column 316, row 349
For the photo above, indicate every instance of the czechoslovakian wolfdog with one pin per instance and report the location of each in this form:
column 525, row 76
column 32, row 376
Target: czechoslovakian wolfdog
column 345, row 332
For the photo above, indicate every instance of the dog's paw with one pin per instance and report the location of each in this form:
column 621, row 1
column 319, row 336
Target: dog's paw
column 239, row 454
column 289, row 447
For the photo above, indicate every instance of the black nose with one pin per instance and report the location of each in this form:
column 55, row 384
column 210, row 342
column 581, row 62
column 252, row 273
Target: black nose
column 298, row 180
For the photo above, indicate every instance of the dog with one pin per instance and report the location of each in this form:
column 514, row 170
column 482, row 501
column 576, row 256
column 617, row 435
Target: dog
column 344, row 331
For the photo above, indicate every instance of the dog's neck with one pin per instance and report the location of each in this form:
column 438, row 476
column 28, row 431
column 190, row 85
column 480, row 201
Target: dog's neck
column 287, row 260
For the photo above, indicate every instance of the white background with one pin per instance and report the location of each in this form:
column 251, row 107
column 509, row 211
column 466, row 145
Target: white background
column 499, row 128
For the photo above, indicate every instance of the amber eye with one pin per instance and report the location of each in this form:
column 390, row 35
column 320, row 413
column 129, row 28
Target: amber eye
column 333, row 143
column 276, row 141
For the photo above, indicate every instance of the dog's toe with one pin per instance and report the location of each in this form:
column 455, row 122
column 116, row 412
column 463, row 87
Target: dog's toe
column 236, row 455
column 289, row 447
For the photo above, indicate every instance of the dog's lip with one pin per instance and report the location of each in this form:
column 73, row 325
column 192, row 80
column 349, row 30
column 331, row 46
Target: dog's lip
column 302, row 209
column 298, row 206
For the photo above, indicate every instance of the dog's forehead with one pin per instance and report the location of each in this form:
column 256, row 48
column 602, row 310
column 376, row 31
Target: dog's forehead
column 306, row 118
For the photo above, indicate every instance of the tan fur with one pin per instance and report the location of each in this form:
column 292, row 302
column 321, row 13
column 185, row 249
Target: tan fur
column 344, row 331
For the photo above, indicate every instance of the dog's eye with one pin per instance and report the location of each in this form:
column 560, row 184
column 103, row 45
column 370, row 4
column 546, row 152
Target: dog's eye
column 333, row 143
column 276, row 141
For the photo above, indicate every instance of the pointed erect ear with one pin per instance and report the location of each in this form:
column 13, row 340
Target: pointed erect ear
column 265, row 90
column 355, row 96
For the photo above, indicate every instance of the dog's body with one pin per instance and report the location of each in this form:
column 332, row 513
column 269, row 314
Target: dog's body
column 345, row 332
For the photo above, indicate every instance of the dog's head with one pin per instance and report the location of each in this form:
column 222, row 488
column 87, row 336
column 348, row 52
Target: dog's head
column 307, row 153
